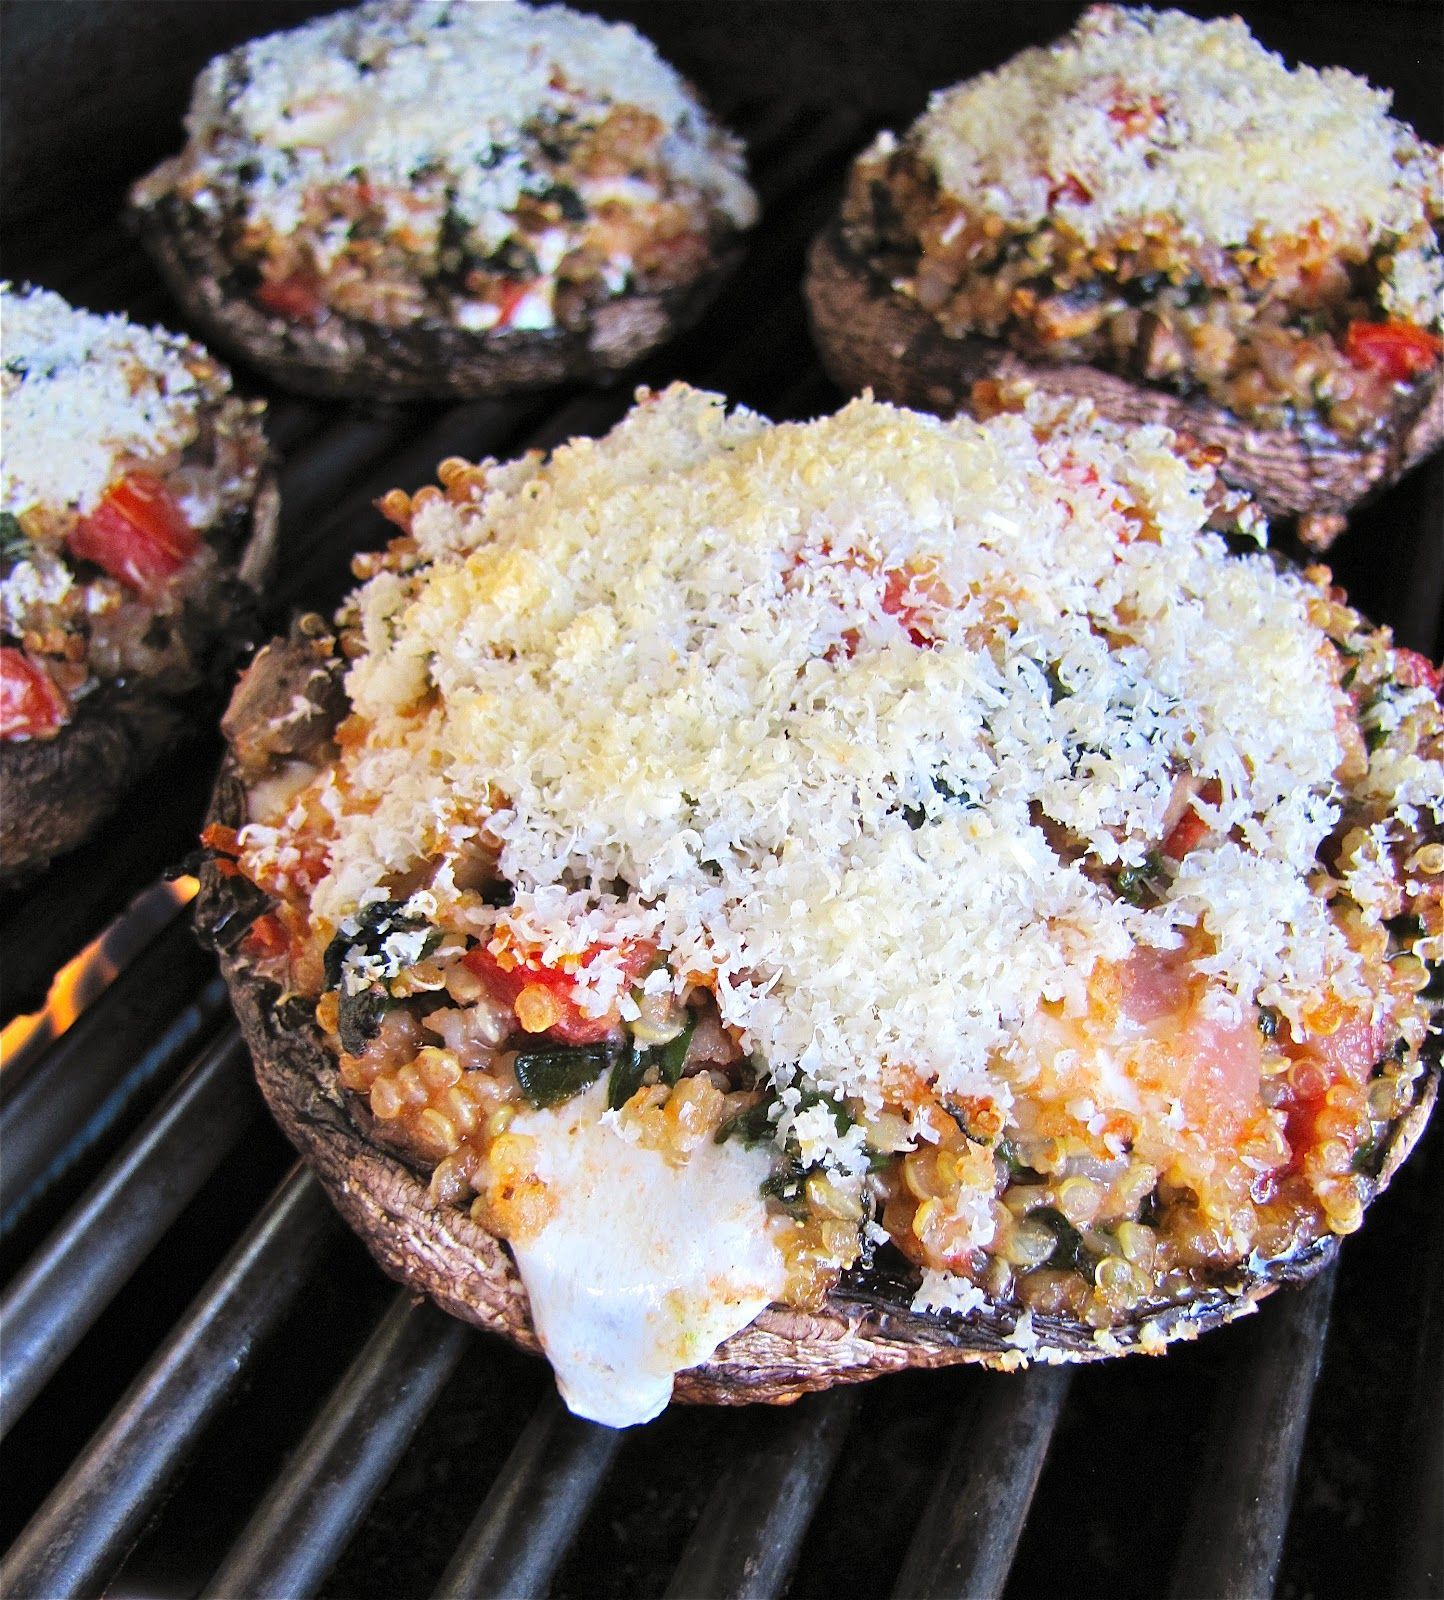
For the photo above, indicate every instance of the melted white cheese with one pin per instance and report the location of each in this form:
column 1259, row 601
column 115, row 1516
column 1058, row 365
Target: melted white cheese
column 643, row 1268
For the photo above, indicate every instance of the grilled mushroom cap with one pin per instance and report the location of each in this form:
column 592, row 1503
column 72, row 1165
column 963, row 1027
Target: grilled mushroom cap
column 57, row 791
column 865, row 1328
column 869, row 336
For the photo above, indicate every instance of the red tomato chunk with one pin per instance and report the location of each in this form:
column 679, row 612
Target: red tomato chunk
column 1395, row 350
column 31, row 707
column 137, row 533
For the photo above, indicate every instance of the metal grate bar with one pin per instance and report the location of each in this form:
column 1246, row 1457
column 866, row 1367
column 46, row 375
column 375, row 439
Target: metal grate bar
column 67, row 1284
column 95, row 1512
column 1419, row 1539
column 290, row 421
column 1234, row 1534
column 316, row 1503
column 317, row 565
column 747, row 1541
column 535, row 1508
column 965, row 1542
column 96, row 1068
column 319, row 470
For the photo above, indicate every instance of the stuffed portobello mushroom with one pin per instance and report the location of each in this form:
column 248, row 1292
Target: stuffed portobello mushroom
column 433, row 197
column 1159, row 214
column 745, row 907
column 136, row 520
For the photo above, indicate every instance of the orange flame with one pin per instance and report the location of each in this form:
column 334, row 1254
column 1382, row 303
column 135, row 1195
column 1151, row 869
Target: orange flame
column 83, row 979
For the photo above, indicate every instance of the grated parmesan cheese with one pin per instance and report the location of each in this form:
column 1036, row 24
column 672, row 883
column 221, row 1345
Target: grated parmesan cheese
column 945, row 1291
column 85, row 393
column 1137, row 115
column 808, row 707
column 424, row 96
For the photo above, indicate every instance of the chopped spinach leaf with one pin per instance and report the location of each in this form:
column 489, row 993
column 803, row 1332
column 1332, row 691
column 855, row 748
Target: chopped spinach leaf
column 1069, row 1253
column 14, row 542
column 1136, row 884
column 626, row 1078
column 555, row 1073
column 1017, row 1169
column 376, row 924
column 566, row 199
column 1369, row 1157
column 669, row 1058
column 635, row 1064
column 787, row 1185
column 753, row 1126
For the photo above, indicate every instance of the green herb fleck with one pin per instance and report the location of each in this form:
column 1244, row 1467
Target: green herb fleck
column 549, row 1076
column 1135, row 884
column 14, row 542
column 1070, row 1253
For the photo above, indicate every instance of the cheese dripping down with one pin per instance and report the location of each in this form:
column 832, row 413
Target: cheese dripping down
column 642, row 1268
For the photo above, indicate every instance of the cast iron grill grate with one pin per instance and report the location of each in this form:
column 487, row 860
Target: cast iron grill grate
column 206, row 1388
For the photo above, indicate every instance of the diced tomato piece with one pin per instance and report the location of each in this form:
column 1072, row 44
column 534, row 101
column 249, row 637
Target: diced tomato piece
column 1418, row 672
column 908, row 594
column 512, row 296
column 31, row 707
column 296, row 298
column 1071, row 188
column 1395, row 350
column 1156, row 984
column 508, row 972
column 1222, row 1064
column 897, row 588
column 1348, row 1054
column 216, row 836
column 1135, row 116
column 266, row 938
column 137, row 533
column 1191, row 829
